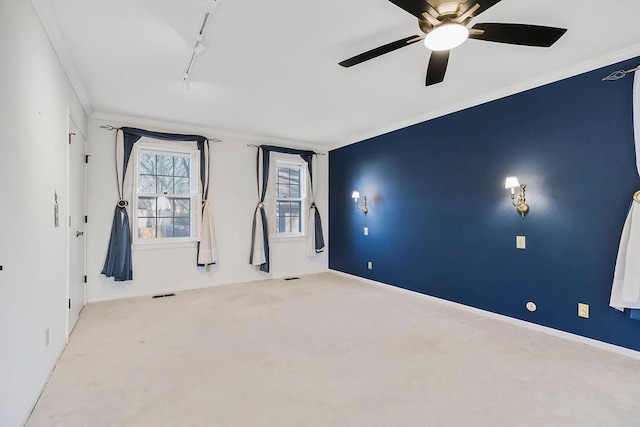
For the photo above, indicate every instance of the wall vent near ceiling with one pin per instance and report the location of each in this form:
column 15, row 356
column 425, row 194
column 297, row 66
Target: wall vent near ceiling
column 163, row 295
column 291, row 278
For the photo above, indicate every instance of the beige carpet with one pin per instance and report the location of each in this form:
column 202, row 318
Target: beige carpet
column 325, row 351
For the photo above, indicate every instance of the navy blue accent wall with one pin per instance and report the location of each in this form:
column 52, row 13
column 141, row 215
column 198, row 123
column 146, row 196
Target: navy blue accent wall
column 441, row 222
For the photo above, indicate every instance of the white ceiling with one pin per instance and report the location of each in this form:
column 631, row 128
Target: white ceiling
column 271, row 68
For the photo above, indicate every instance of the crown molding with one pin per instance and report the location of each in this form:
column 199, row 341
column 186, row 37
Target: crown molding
column 52, row 28
column 171, row 127
column 555, row 76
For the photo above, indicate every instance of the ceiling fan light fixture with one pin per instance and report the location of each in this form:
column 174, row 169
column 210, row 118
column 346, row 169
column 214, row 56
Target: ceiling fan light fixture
column 446, row 37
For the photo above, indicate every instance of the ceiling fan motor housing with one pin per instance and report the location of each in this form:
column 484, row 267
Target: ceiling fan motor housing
column 447, row 12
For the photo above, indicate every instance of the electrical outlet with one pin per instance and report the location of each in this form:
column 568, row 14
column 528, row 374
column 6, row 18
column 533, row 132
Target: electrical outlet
column 366, row 231
column 370, row 265
column 531, row 306
column 521, row 242
column 46, row 338
column 583, row 310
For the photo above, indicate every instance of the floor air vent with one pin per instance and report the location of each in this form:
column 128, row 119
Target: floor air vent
column 291, row 278
column 163, row 295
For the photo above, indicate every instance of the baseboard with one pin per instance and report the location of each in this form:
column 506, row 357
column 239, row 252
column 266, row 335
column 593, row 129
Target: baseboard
column 517, row 322
column 43, row 383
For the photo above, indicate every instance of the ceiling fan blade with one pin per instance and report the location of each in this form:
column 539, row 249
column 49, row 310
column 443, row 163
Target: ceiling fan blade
column 415, row 7
column 437, row 67
column 520, row 34
column 381, row 50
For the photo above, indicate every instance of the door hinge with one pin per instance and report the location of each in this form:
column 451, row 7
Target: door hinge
column 70, row 134
column 69, row 303
column 86, row 158
column 85, row 278
column 86, row 219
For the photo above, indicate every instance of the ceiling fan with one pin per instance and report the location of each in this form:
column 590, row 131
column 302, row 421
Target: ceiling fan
column 444, row 24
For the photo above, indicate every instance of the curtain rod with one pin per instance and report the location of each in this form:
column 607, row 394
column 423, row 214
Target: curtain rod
column 109, row 127
column 617, row 75
column 257, row 146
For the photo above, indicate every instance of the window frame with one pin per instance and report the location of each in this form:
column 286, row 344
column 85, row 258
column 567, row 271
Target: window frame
column 289, row 161
column 169, row 149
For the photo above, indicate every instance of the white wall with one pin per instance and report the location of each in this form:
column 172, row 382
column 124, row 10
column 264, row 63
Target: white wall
column 33, row 164
column 233, row 195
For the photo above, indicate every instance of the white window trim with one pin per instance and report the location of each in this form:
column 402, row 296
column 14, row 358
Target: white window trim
column 148, row 145
column 282, row 159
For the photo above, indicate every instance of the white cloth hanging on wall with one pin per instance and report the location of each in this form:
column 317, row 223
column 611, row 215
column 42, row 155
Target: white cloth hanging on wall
column 625, row 292
column 258, row 254
column 208, row 247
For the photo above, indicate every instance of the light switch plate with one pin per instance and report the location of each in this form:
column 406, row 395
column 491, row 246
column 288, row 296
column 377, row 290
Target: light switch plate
column 366, row 231
column 583, row 310
column 521, row 242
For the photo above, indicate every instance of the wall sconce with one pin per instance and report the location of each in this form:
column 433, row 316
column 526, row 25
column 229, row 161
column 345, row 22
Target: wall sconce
column 520, row 204
column 363, row 204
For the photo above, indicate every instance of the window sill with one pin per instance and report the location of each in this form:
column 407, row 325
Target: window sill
column 163, row 245
column 287, row 239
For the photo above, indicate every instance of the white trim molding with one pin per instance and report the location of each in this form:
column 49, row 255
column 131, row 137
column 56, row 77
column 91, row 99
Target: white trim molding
column 513, row 321
column 173, row 127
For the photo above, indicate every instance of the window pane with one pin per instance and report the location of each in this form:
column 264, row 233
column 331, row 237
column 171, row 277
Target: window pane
column 288, row 182
column 295, row 224
column 288, row 216
column 165, row 165
column 181, row 207
column 283, row 208
column 281, row 225
column 181, row 186
column 148, row 164
column 146, row 206
column 182, row 166
column 147, row 184
column 294, row 182
column 146, row 228
column 282, row 191
column 165, row 227
column 164, row 216
column 165, row 185
column 165, row 208
column 283, row 174
column 295, row 208
column 182, row 227
column 282, row 182
column 280, row 208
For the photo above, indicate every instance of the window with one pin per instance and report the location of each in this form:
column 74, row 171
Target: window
column 290, row 189
column 167, row 199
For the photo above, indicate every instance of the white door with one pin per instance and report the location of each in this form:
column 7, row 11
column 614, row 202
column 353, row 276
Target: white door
column 77, row 181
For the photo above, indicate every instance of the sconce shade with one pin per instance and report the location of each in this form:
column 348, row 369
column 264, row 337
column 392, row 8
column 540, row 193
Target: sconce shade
column 355, row 195
column 512, row 182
